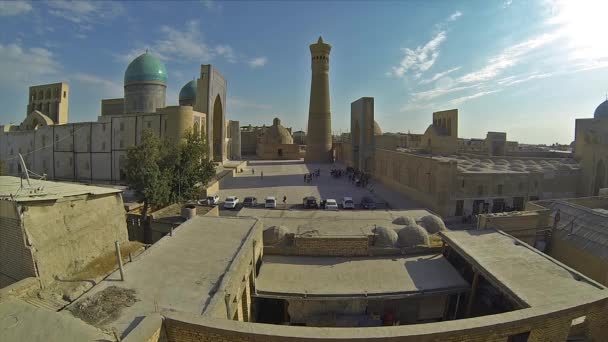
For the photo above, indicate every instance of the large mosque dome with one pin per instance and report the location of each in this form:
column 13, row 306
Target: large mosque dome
column 276, row 134
column 146, row 67
column 601, row 112
column 187, row 95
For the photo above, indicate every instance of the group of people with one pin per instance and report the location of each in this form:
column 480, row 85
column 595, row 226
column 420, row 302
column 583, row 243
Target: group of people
column 337, row 173
column 309, row 176
column 359, row 178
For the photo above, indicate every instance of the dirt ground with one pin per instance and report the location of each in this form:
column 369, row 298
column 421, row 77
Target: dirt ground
column 64, row 291
column 104, row 306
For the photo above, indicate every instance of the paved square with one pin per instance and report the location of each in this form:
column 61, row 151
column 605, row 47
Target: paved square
column 286, row 178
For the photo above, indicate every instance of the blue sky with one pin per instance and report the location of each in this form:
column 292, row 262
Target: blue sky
column 525, row 67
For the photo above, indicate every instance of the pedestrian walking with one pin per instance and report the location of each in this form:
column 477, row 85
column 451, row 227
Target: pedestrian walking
column 262, row 174
column 252, row 171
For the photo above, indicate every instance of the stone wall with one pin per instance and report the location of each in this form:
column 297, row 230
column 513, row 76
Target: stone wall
column 16, row 260
column 327, row 246
column 550, row 323
column 588, row 264
column 68, row 234
column 528, row 226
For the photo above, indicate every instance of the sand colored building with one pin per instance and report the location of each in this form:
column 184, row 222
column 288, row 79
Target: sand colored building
column 591, row 150
column 318, row 139
column 52, row 100
column 96, row 151
column 51, row 231
column 431, row 171
column 270, row 142
column 437, row 285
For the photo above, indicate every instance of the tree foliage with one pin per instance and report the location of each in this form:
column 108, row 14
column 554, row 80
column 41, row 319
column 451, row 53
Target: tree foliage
column 192, row 168
column 164, row 172
column 147, row 172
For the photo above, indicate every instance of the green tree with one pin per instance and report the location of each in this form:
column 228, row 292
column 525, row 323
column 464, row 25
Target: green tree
column 192, row 168
column 147, row 171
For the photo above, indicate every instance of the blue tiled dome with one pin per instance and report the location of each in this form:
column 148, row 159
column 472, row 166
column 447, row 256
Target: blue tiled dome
column 601, row 112
column 146, row 67
column 188, row 91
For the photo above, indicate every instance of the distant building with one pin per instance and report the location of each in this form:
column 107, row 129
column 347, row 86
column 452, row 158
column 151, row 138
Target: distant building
column 96, row 151
column 432, row 171
column 591, row 150
column 52, row 230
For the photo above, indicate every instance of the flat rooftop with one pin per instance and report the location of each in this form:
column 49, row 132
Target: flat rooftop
column 39, row 190
column 21, row 321
column 471, row 164
column 331, row 223
column 179, row 272
column 528, row 276
column 299, row 276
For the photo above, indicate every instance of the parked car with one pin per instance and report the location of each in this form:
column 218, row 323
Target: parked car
column 270, row 202
column 348, row 203
column 368, row 203
column 310, row 202
column 231, row 202
column 331, row 204
column 250, row 201
column 210, row 200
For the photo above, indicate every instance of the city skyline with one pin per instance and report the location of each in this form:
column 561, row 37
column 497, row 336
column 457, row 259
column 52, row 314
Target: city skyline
column 526, row 68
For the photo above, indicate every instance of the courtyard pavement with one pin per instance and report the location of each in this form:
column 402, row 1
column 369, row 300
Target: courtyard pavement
column 286, row 178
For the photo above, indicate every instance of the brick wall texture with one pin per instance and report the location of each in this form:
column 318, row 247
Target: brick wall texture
column 16, row 261
column 323, row 246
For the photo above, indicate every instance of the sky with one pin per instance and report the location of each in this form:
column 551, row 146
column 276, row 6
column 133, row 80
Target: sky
column 528, row 68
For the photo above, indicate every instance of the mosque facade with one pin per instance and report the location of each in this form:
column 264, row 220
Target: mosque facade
column 96, row 151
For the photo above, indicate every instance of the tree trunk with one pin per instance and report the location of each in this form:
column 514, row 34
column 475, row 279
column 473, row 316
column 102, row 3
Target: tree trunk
column 146, row 224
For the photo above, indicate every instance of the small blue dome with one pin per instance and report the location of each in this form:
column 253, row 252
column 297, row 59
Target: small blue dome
column 146, row 67
column 601, row 112
column 188, row 91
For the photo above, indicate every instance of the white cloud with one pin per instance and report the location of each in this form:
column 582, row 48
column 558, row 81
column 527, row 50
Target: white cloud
column 455, row 16
column 113, row 87
column 439, row 91
column 235, row 102
column 227, row 52
column 463, row 99
column 26, row 65
column 213, row 6
column 509, row 57
column 258, row 62
column 439, row 75
column 511, row 80
column 85, row 12
column 421, row 58
column 16, row 7
column 507, row 3
column 187, row 44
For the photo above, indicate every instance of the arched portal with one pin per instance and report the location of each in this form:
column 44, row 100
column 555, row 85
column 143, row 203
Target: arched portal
column 218, row 129
column 600, row 178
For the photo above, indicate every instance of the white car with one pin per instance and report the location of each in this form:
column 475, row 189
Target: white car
column 270, row 202
column 210, row 200
column 348, row 203
column 230, row 202
column 331, row 204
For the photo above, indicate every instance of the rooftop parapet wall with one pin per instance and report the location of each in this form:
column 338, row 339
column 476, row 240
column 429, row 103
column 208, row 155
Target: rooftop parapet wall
column 548, row 323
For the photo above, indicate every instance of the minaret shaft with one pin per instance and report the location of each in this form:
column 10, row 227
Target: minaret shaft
column 318, row 138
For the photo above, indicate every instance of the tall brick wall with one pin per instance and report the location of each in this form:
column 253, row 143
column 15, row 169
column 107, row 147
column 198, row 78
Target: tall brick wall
column 326, row 246
column 16, row 261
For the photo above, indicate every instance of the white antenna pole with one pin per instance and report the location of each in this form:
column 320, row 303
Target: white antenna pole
column 24, row 169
